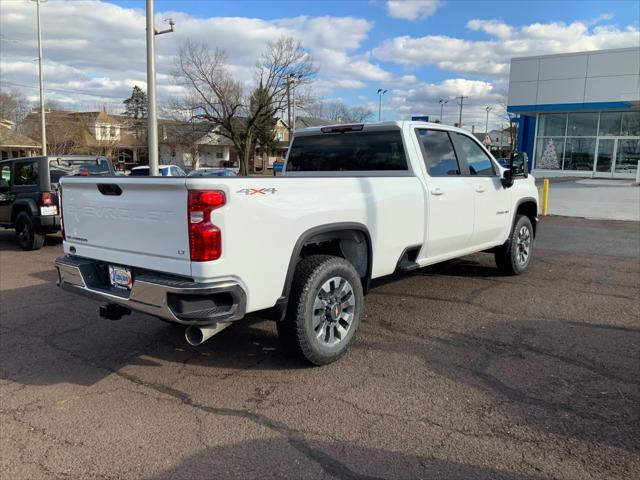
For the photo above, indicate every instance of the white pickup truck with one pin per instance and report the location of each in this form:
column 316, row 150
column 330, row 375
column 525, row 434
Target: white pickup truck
column 356, row 202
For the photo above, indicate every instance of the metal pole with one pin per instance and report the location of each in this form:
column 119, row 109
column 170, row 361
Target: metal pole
column 289, row 106
column 461, row 97
column 293, row 106
column 379, row 105
column 152, row 128
column 486, row 125
column 43, row 130
column 441, row 110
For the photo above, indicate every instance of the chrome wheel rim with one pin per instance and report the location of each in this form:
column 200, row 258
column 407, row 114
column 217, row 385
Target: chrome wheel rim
column 523, row 246
column 333, row 311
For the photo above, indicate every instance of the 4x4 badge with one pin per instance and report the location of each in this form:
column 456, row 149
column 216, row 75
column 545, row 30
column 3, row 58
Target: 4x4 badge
column 257, row 191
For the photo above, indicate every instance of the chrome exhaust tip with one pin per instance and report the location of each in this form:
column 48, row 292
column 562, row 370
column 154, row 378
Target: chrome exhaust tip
column 198, row 335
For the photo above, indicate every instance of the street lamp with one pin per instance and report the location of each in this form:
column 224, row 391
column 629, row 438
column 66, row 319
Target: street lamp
column 43, row 131
column 442, row 103
column 152, row 113
column 291, row 100
column 381, row 92
column 488, row 108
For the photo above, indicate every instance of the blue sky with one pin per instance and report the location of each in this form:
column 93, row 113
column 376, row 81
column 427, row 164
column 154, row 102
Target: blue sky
column 421, row 50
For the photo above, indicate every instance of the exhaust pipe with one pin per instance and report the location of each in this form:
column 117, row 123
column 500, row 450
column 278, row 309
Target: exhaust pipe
column 198, row 335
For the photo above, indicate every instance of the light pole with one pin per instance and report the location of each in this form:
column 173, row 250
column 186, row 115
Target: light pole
column 152, row 125
column 381, row 92
column 291, row 84
column 461, row 97
column 43, row 129
column 488, row 108
column 442, row 103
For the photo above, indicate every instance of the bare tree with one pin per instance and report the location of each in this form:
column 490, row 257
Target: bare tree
column 13, row 106
column 338, row 112
column 512, row 129
column 215, row 96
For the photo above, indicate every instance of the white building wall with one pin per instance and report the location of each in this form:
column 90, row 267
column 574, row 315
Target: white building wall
column 600, row 76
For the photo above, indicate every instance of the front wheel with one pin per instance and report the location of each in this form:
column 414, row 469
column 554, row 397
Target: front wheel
column 514, row 256
column 324, row 309
column 26, row 234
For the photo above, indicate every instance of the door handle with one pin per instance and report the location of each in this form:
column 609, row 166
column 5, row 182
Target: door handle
column 437, row 191
column 480, row 189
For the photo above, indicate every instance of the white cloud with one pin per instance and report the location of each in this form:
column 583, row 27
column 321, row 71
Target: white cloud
column 491, row 57
column 424, row 99
column 98, row 49
column 412, row 9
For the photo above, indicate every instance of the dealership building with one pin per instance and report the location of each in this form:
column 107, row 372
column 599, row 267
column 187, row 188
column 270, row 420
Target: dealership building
column 579, row 113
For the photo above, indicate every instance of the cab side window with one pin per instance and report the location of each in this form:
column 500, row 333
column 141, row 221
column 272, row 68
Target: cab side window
column 479, row 162
column 26, row 173
column 5, row 176
column 438, row 153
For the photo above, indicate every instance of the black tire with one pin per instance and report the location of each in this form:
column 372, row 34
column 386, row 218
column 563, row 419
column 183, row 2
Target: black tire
column 514, row 257
column 297, row 333
column 26, row 234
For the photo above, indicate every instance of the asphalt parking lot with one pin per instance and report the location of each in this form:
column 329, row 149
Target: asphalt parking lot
column 457, row 373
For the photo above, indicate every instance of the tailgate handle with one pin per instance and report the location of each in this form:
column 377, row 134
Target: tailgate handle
column 109, row 189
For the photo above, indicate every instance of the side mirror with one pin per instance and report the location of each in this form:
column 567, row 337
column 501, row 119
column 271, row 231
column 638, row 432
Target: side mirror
column 507, row 178
column 519, row 165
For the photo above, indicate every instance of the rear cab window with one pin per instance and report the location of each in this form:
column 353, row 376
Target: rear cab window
column 77, row 167
column 348, row 151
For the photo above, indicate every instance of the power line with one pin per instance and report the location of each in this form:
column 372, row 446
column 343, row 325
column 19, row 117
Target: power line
column 61, row 90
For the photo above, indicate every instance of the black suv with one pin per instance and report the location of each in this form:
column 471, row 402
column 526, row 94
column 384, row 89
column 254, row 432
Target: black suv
column 29, row 193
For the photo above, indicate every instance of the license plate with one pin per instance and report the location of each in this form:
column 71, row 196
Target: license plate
column 120, row 277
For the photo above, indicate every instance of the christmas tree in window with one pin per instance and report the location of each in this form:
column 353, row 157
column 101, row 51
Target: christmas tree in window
column 549, row 159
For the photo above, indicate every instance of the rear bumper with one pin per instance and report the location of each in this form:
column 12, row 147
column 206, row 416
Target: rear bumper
column 47, row 223
column 176, row 300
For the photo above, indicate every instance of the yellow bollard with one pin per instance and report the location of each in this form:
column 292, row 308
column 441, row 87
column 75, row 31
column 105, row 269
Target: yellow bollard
column 545, row 197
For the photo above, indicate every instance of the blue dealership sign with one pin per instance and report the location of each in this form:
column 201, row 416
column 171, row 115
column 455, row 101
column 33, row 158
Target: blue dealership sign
column 420, row 118
column 278, row 166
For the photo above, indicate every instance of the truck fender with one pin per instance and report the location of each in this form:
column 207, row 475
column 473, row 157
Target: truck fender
column 323, row 233
column 532, row 213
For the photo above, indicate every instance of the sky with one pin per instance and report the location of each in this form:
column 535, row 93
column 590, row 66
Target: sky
column 421, row 51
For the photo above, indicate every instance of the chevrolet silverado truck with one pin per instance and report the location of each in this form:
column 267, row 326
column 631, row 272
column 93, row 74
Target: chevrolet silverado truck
column 355, row 203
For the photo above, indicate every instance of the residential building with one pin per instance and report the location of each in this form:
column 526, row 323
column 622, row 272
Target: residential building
column 579, row 112
column 14, row 144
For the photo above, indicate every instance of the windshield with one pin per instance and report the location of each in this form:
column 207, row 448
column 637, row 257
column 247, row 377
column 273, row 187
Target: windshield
column 375, row 150
column 63, row 167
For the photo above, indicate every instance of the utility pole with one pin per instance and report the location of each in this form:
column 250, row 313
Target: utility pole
column 152, row 125
column 461, row 97
column 381, row 92
column 442, row 103
column 43, row 128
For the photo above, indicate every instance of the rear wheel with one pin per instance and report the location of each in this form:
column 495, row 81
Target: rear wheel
column 27, row 237
column 324, row 309
column 514, row 256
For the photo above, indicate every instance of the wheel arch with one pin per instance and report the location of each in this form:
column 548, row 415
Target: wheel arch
column 527, row 206
column 354, row 243
column 27, row 205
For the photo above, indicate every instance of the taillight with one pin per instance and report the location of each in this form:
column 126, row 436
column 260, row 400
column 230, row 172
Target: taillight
column 47, row 199
column 205, row 239
column 64, row 237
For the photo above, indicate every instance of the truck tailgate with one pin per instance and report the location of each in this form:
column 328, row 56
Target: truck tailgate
column 138, row 222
